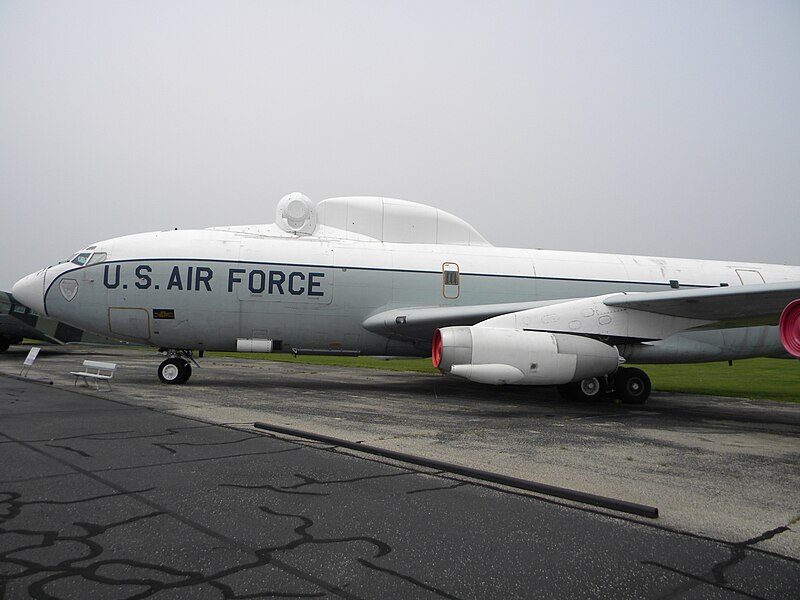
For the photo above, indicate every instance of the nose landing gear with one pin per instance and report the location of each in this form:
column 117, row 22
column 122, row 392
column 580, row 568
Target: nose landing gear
column 176, row 369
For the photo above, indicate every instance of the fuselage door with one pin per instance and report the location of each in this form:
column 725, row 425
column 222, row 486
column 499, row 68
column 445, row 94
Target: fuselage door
column 451, row 280
column 129, row 322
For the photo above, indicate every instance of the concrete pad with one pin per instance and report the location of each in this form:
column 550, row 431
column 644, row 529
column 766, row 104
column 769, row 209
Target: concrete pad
column 169, row 487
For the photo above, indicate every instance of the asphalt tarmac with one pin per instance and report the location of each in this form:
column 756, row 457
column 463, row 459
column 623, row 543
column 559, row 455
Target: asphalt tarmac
column 153, row 491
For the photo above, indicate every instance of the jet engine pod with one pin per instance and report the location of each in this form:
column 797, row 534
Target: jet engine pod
column 513, row 356
column 296, row 214
column 789, row 328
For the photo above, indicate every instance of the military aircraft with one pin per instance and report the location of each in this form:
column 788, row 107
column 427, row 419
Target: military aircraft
column 370, row 275
column 18, row 322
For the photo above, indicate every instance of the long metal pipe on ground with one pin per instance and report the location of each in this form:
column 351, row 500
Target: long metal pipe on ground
column 643, row 510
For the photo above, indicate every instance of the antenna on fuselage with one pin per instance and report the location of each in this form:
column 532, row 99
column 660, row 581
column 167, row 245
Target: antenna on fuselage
column 296, row 214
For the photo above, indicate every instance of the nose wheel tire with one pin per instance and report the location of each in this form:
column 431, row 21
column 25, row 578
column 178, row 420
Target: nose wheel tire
column 174, row 371
column 632, row 386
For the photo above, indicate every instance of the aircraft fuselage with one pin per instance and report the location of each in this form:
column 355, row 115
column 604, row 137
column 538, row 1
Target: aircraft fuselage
column 206, row 289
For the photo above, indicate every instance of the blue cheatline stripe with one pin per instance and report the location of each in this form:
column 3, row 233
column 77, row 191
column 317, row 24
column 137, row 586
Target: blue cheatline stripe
column 373, row 269
column 391, row 270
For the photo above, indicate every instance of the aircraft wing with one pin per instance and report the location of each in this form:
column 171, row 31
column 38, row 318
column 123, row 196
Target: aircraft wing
column 737, row 306
column 18, row 321
column 621, row 317
column 419, row 322
column 13, row 329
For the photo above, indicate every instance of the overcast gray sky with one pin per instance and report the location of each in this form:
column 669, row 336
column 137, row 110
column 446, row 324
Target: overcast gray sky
column 669, row 128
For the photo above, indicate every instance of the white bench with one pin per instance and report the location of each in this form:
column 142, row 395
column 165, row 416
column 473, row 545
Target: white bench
column 95, row 371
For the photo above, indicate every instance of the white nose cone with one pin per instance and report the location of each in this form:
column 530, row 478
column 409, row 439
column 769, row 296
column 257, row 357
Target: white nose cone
column 30, row 291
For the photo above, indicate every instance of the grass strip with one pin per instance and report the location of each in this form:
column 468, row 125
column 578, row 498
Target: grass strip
column 417, row 365
column 755, row 378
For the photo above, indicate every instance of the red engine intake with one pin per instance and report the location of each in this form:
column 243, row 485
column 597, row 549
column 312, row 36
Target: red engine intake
column 789, row 328
column 436, row 350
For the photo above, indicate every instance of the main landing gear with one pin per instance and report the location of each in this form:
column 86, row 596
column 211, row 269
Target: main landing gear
column 176, row 368
column 631, row 386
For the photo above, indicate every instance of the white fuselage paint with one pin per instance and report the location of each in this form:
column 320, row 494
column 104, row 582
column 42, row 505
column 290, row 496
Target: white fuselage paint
column 205, row 289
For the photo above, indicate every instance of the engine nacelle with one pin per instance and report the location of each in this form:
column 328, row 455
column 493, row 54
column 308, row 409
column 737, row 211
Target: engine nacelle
column 789, row 328
column 513, row 356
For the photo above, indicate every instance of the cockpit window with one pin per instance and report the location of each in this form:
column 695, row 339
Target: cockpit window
column 97, row 257
column 82, row 258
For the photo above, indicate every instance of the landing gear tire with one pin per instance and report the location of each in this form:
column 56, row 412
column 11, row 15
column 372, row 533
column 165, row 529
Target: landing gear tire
column 632, row 386
column 174, row 371
column 585, row 390
column 187, row 371
column 4, row 344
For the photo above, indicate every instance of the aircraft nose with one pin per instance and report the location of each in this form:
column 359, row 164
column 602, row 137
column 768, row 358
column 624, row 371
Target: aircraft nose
column 30, row 291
